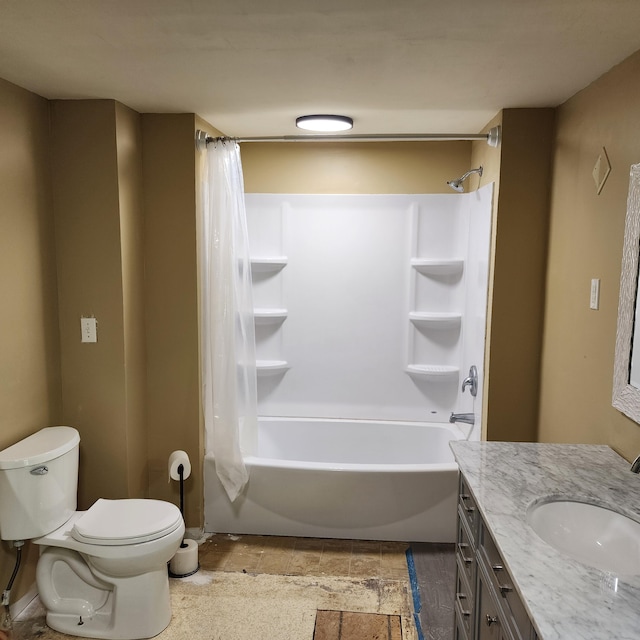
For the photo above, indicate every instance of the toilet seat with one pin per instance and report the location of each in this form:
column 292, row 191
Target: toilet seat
column 124, row 522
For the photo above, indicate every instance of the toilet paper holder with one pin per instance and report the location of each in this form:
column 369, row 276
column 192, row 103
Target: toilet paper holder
column 181, row 481
column 185, row 562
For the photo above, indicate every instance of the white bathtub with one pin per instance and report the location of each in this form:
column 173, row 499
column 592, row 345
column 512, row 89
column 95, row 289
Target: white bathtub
column 354, row 479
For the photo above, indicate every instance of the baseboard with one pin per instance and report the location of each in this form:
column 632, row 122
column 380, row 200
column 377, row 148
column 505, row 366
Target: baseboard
column 20, row 605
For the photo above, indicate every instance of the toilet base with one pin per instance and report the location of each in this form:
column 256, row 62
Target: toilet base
column 102, row 625
column 82, row 601
column 98, row 627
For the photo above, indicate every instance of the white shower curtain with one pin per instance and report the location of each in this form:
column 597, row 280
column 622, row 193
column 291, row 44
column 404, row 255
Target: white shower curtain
column 227, row 331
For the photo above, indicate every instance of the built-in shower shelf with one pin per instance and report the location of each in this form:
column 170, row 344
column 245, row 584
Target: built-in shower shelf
column 271, row 367
column 432, row 267
column 435, row 320
column 267, row 264
column 433, row 372
column 269, row 316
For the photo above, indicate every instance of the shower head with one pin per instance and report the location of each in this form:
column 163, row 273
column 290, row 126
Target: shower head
column 456, row 185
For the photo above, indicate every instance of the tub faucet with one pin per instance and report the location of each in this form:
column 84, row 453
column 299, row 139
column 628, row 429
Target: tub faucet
column 467, row 418
column 635, row 465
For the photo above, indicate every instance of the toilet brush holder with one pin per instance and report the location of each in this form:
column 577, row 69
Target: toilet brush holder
column 185, row 561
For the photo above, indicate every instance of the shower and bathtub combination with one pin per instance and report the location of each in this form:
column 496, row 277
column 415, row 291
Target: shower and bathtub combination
column 369, row 312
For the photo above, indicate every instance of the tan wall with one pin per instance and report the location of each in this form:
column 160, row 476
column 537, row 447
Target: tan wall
column 171, row 307
column 586, row 237
column 98, row 227
column 519, row 250
column 30, row 396
column 366, row 167
column 125, row 207
column 490, row 158
column 129, row 157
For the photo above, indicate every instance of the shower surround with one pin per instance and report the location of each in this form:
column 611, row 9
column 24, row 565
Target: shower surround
column 368, row 310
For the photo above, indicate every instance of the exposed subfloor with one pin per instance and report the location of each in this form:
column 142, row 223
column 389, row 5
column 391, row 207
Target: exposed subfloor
column 361, row 565
column 305, row 556
column 435, row 566
column 346, row 625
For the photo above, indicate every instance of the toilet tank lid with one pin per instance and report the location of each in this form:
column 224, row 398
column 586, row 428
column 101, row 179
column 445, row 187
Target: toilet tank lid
column 44, row 445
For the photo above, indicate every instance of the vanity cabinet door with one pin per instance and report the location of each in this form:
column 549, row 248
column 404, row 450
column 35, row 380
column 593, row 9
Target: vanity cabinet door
column 465, row 604
column 468, row 509
column 460, row 633
column 502, row 585
column 490, row 623
column 465, row 551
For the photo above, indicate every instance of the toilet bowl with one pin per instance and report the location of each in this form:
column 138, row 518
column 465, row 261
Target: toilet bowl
column 102, row 573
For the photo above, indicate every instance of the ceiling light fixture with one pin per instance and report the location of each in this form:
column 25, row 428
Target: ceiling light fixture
column 324, row 123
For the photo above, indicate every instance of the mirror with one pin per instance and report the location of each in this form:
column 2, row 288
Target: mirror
column 626, row 375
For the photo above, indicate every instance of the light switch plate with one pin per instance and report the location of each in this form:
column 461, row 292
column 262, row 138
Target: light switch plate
column 594, row 300
column 89, row 330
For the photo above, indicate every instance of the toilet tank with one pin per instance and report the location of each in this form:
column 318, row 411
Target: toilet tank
column 38, row 483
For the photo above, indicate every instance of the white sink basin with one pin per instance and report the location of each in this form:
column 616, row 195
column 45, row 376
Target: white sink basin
column 595, row 536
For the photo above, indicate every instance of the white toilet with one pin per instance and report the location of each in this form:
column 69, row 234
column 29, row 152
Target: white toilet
column 102, row 573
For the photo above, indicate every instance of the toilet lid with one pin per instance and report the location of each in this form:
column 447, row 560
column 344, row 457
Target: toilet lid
column 130, row 521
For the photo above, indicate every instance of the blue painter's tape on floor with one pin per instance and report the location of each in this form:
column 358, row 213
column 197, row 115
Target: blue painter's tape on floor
column 416, row 620
column 413, row 579
column 415, row 592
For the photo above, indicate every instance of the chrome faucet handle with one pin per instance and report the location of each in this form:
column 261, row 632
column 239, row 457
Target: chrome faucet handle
column 471, row 381
column 635, row 465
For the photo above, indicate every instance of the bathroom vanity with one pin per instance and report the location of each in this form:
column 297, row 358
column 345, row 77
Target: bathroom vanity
column 512, row 585
column 487, row 604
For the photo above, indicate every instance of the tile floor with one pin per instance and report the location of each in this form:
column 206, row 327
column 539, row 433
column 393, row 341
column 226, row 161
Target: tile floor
column 305, row 556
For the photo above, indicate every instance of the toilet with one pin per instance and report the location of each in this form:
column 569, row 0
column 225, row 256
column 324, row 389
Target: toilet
column 102, row 573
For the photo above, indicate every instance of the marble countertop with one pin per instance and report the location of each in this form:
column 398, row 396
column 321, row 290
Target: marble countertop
column 565, row 598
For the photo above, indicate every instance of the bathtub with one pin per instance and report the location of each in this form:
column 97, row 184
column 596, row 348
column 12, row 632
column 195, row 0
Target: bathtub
column 355, row 479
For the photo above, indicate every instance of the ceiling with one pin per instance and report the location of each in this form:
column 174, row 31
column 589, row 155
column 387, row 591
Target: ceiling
column 249, row 67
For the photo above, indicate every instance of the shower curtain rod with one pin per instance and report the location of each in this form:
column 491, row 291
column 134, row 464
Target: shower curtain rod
column 492, row 138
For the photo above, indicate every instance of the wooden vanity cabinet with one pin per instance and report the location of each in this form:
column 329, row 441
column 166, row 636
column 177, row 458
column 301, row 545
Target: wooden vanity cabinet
column 487, row 606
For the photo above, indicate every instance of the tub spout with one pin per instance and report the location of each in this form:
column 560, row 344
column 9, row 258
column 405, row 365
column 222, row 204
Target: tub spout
column 467, row 418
